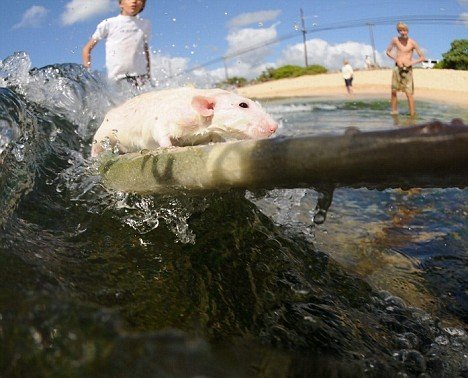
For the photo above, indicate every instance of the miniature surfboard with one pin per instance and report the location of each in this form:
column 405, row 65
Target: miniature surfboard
column 428, row 155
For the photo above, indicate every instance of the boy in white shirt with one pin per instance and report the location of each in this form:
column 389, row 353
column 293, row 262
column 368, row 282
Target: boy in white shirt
column 127, row 36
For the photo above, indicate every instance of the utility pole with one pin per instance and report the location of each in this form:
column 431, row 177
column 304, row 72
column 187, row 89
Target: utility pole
column 169, row 64
column 304, row 31
column 371, row 33
column 225, row 69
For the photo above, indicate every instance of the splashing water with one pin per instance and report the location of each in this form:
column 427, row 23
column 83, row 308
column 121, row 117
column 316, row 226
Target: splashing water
column 322, row 280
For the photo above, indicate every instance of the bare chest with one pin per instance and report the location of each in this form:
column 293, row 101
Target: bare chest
column 404, row 45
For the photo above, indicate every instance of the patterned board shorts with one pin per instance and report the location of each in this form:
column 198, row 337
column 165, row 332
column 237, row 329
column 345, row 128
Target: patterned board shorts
column 402, row 80
column 137, row 81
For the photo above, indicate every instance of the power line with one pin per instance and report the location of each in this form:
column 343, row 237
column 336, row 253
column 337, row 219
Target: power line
column 371, row 34
column 413, row 19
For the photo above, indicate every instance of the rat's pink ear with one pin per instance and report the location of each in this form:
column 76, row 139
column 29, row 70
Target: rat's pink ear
column 203, row 105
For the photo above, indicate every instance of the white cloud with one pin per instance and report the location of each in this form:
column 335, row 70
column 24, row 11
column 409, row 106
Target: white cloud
column 81, row 10
column 327, row 55
column 242, row 40
column 252, row 64
column 251, row 41
column 242, row 69
column 32, row 18
column 171, row 72
column 464, row 18
column 259, row 18
column 164, row 68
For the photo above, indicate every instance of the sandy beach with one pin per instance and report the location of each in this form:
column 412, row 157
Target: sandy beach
column 441, row 86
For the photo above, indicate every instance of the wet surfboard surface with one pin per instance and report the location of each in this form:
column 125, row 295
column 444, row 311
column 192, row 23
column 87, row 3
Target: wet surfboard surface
column 428, row 155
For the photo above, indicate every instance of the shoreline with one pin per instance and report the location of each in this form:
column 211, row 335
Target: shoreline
column 441, row 86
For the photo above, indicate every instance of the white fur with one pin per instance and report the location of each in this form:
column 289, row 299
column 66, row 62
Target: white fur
column 180, row 117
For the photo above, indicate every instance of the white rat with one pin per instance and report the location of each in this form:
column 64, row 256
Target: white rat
column 181, row 117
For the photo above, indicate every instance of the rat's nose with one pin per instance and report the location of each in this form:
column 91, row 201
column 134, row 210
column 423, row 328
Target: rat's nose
column 273, row 127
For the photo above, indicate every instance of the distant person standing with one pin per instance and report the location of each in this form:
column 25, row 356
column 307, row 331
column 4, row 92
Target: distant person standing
column 127, row 51
column 347, row 73
column 401, row 50
column 368, row 62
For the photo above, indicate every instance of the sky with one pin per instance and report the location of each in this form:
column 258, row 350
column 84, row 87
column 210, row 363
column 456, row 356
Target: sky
column 205, row 37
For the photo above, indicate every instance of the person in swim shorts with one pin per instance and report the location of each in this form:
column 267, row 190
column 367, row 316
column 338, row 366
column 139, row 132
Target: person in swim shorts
column 401, row 50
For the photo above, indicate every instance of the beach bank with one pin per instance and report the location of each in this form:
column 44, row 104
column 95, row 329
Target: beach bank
column 441, row 86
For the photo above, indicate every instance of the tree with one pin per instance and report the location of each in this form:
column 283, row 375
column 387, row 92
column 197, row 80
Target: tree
column 289, row 71
column 457, row 57
column 236, row 81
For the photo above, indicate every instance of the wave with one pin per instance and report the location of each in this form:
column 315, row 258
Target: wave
column 93, row 280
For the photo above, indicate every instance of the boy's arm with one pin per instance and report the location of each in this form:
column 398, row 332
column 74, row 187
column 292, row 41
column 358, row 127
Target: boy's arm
column 148, row 60
column 390, row 49
column 420, row 54
column 87, row 52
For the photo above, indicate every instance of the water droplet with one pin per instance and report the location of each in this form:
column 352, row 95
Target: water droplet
column 72, row 336
column 442, row 340
column 105, row 143
column 18, row 152
column 324, row 200
column 310, row 319
column 455, row 331
column 413, row 360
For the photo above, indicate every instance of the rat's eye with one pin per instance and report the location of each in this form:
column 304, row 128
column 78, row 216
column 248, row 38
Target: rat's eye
column 244, row 105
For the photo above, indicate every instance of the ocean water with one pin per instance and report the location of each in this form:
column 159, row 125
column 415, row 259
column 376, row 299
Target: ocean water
column 236, row 284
